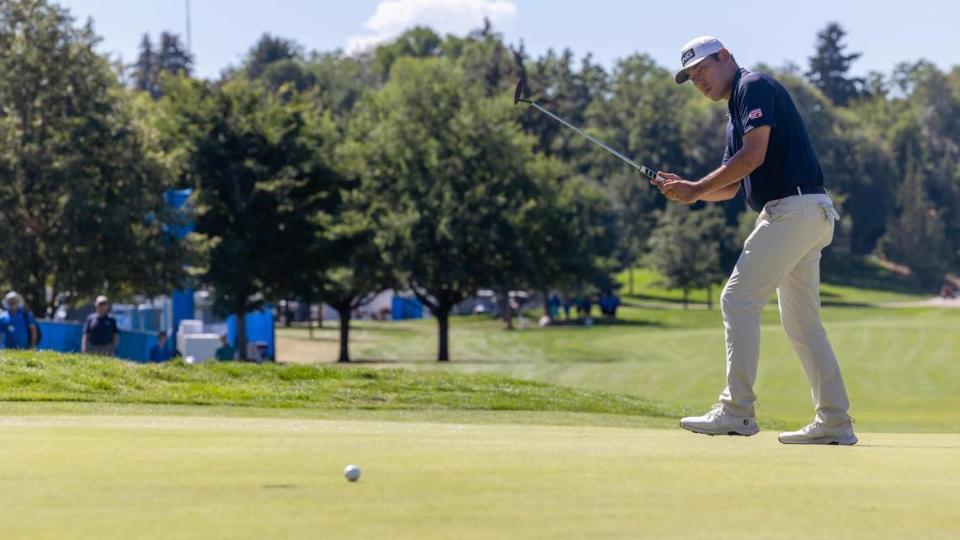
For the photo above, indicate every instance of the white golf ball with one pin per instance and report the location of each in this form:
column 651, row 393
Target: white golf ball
column 189, row 359
column 352, row 472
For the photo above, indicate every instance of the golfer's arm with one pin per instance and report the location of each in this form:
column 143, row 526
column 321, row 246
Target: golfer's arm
column 722, row 194
column 742, row 163
column 33, row 336
column 83, row 343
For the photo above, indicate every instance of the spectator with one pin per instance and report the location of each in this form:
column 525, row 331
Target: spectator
column 948, row 291
column 18, row 325
column 608, row 304
column 160, row 352
column 100, row 333
column 567, row 304
column 225, row 353
column 587, row 306
column 554, row 307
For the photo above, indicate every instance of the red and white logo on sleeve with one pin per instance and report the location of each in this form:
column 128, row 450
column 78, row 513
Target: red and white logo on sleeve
column 754, row 114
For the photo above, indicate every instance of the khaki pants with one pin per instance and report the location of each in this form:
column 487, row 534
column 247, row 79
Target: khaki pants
column 783, row 254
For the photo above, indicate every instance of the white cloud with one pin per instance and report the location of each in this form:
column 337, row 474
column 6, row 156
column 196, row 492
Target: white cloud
column 393, row 17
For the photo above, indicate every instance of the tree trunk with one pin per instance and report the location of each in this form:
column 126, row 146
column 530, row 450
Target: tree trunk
column 310, row 321
column 507, row 311
column 443, row 319
column 546, row 304
column 241, row 334
column 710, row 297
column 630, row 272
column 344, row 333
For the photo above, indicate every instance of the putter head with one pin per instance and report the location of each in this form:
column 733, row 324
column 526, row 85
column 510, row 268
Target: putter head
column 518, row 93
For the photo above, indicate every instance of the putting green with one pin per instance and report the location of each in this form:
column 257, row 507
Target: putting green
column 229, row 477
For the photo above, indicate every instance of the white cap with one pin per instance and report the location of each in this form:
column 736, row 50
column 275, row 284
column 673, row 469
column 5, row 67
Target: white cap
column 101, row 300
column 12, row 295
column 694, row 52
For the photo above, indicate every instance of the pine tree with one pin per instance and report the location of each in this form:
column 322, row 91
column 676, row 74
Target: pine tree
column 829, row 67
column 145, row 69
column 173, row 57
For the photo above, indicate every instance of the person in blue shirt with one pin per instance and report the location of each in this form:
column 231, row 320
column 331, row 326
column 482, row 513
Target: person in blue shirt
column 19, row 326
column 160, row 352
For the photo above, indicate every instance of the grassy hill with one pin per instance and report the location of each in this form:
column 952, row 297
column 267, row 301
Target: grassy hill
column 858, row 282
column 51, row 377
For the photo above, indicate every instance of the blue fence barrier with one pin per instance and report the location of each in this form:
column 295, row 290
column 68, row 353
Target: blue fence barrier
column 406, row 308
column 259, row 327
column 66, row 337
column 60, row 336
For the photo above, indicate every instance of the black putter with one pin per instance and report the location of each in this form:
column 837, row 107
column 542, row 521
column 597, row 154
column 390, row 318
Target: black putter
column 646, row 171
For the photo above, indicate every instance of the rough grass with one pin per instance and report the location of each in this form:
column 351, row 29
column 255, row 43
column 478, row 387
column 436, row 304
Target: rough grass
column 50, row 377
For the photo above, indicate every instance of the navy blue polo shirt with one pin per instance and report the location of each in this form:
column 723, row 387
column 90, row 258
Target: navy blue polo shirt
column 758, row 100
column 100, row 330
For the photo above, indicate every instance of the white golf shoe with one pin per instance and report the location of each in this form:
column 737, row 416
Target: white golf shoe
column 717, row 421
column 818, row 433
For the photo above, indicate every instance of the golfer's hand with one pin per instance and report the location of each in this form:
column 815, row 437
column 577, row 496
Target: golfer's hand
column 677, row 189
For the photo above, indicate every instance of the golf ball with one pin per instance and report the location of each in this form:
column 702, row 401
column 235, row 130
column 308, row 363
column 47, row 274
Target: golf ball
column 352, row 472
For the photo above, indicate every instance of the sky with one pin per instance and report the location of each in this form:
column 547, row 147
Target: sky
column 769, row 31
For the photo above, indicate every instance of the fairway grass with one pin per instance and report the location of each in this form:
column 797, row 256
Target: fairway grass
column 108, row 476
column 901, row 366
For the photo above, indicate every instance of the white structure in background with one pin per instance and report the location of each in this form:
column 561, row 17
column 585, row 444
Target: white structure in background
column 192, row 341
column 380, row 308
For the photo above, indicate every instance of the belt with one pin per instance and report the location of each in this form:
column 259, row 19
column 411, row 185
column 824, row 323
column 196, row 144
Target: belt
column 800, row 190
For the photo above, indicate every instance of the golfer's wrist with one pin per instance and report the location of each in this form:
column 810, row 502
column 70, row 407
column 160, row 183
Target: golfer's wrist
column 700, row 188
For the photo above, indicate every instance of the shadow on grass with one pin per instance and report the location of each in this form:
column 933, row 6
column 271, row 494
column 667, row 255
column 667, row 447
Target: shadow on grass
column 860, row 273
column 841, row 304
column 661, row 300
column 576, row 324
column 475, row 361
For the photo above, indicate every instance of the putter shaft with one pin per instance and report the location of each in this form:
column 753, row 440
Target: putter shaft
column 646, row 171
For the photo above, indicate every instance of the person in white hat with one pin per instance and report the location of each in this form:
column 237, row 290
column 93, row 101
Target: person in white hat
column 100, row 332
column 20, row 330
column 770, row 157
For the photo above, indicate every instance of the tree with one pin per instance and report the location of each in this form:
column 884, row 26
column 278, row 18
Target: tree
column 554, row 81
column 263, row 190
column 288, row 71
column 916, row 235
column 340, row 80
column 358, row 272
column 145, row 69
column 485, row 59
column 447, row 170
column 686, row 246
column 173, row 58
column 152, row 64
column 829, row 67
column 81, row 183
column 418, row 42
column 266, row 51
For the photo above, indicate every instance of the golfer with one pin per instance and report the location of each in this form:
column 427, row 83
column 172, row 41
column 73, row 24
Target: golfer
column 770, row 156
